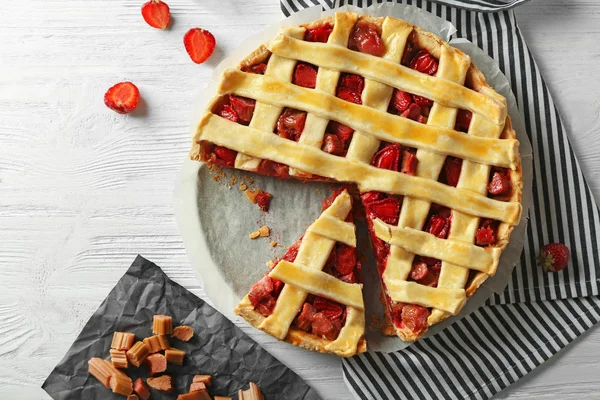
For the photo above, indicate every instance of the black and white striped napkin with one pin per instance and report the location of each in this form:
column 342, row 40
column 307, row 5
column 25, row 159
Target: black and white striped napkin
column 539, row 313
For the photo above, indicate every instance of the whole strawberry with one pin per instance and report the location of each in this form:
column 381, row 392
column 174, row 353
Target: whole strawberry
column 554, row 257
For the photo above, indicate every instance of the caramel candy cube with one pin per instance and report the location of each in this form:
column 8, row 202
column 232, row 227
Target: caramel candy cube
column 122, row 340
column 121, row 384
column 206, row 379
column 138, row 353
column 162, row 383
column 162, row 325
column 221, row 398
column 197, row 387
column 175, row 356
column 203, row 395
column 101, row 370
column 183, row 333
column 253, row 393
column 157, row 343
column 132, row 397
column 119, row 358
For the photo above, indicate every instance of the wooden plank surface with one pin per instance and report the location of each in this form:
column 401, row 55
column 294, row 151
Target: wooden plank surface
column 83, row 190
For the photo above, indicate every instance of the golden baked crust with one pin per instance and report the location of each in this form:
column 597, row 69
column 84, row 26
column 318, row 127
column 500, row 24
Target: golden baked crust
column 497, row 122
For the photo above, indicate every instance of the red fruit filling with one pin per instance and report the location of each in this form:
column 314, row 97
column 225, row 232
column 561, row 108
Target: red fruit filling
column 353, row 82
column 224, row 156
column 365, row 38
column 387, row 209
column 318, row 33
column 305, row 75
column 263, row 199
column 263, row 295
column 451, row 171
column 414, row 317
column 400, row 101
column 425, row 63
column 388, row 157
column 422, row 101
column 438, row 226
column 291, row 124
column 257, row 69
column 332, row 144
column 409, row 162
column 463, row 120
column 413, row 112
column 500, row 181
column 272, row 168
column 486, row 233
column 349, row 95
column 244, row 108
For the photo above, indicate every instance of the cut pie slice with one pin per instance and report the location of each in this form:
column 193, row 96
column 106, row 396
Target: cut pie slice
column 410, row 120
column 312, row 296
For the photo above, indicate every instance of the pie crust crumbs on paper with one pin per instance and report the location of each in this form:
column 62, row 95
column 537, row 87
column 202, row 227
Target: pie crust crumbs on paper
column 384, row 105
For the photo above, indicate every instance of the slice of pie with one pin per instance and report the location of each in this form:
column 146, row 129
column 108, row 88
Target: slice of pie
column 312, row 297
column 407, row 118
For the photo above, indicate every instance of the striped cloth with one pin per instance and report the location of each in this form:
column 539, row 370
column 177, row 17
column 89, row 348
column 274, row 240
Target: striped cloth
column 539, row 313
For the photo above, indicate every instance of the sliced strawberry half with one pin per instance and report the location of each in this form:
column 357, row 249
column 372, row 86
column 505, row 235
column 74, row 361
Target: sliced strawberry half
column 291, row 124
column 400, row 101
column 387, row 210
column 388, row 157
column 365, row 38
column 156, row 14
column 199, row 44
column 409, row 162
column 345, row 259
column 342, row 131
column 244, row 107
column 425, row 63
column 352, row 81
column 333, row 145
column 305, row 75
column 330, row 309
column 318, row 33
column 123, row 97
column 500, row 183
column 452, row 167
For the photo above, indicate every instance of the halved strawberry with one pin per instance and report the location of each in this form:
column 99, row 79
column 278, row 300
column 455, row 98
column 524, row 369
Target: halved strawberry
column 425, row 63
column 346, row 259
column 123, row 97
column 452, row 167
column 318, row 33
column 412, row 112
column 226, row 155
column 348, row 94
column 342, row 131
column 228, row 112
column 365, row 38
column 400, row 101
column 500, row 183
column 419, row 271
column 388, row 157
column 409, row 162
column 291, row 124
column 243, row 106
column 333, row 145
column 415, row 317
column 352, row 81
column 305, row 75
column 387, row 210
column 330, row 309
column 438, row 226
column 199, row 44
column 463, row 120
column 156, row 14
column 486, row 234
column 422, row 101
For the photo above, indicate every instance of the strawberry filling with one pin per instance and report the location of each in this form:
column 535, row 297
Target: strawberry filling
column 486, row 233
column 366, row 39
column 451, row 171
column 318, row 33
column 243, row 107
column 305, row 75
column 500, row 183
column 272, row 168
column 394, row 157
column 463, row 120
column 224, row 156
column 291, row 124
column 425, row 63
column 409, row 316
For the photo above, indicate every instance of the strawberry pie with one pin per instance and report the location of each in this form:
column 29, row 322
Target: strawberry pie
column 397, row 113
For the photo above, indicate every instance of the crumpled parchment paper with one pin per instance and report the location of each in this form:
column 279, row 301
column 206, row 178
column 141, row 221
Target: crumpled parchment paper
column 218, row 347
column 216, row 218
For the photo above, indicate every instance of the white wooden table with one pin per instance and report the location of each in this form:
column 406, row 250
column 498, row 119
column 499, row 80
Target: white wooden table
column 83, row 190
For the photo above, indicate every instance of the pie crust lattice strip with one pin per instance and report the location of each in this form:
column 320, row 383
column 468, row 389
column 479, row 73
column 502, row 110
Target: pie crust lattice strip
column 327, row 243
column 385, row 105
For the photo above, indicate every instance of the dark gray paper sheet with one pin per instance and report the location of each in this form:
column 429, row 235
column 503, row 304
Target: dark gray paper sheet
column 218, row 347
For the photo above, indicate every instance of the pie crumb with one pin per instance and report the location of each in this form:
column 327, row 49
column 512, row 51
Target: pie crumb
column 263, row 231
column 274, row 243
column 270, row 263
column 243, row 186
column 233, row 180
column 251, row 195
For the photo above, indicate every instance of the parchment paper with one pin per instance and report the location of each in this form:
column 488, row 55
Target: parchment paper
column 215, row 219
column 218, row 347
